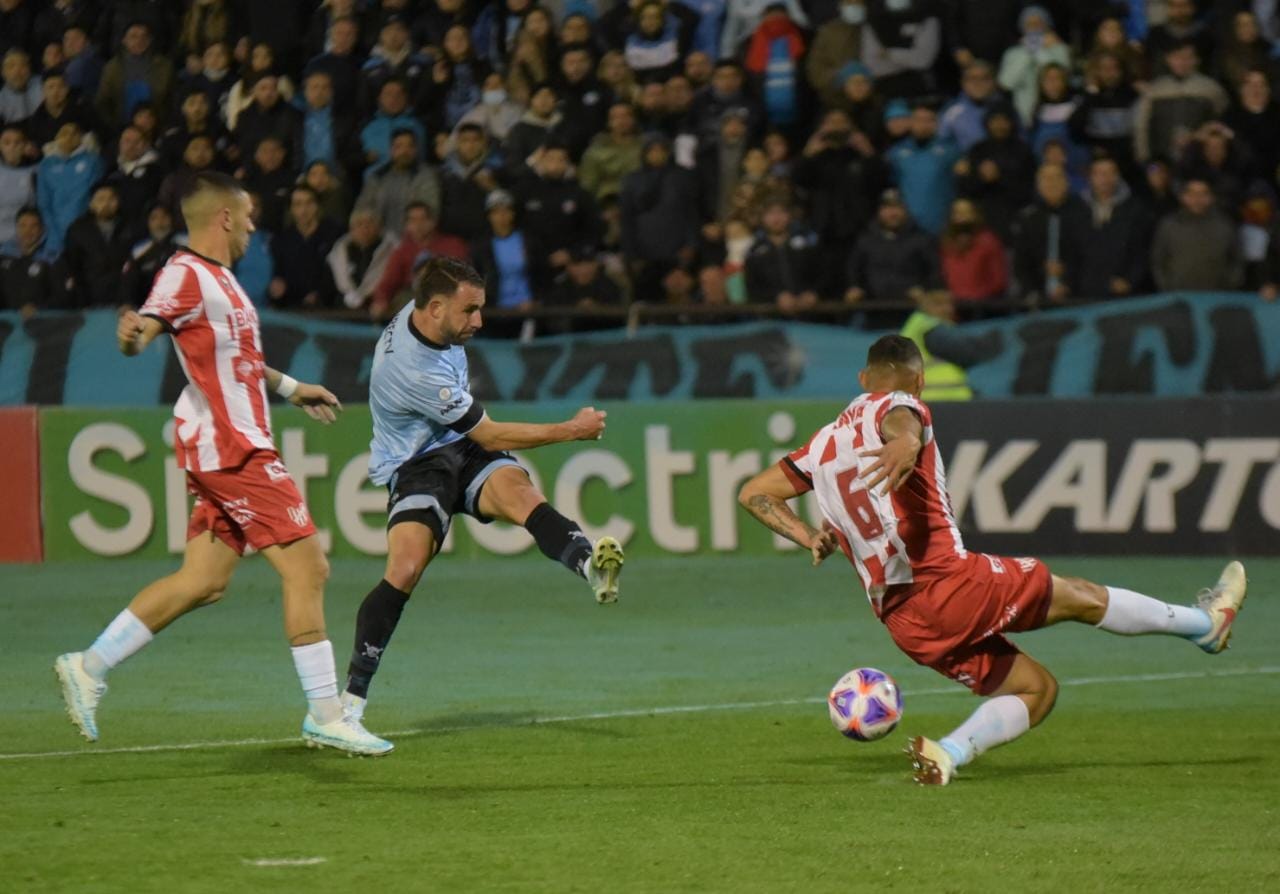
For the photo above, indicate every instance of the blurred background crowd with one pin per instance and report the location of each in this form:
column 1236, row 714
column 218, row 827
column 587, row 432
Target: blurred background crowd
column 844, row 160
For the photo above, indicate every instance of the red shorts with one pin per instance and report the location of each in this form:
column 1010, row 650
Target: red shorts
column 256, row 504
column 953, row 624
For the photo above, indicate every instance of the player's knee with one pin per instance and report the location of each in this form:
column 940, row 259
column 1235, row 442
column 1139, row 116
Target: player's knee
column 210, row 596
column 404, row 571
column 1091, row 600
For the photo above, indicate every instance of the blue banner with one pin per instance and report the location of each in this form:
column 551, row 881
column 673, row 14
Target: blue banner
column 1173, row 345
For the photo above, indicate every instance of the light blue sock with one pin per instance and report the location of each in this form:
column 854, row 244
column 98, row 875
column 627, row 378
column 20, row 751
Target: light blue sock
column 957, row 752
column 1131, row 614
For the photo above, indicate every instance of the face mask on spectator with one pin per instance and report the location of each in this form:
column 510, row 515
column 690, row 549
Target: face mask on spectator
column 853, row 15
column 494, row 97
column 897, row 5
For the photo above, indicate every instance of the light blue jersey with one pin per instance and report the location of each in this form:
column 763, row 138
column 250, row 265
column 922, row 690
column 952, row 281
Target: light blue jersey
column 418, row 394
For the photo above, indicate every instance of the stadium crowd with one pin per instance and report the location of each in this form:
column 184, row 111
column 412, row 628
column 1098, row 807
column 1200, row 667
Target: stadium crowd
column 690, row 152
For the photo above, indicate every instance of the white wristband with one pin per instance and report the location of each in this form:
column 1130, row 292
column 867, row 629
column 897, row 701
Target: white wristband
column 288, row 385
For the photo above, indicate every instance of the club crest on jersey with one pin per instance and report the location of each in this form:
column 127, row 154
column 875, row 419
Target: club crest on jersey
column 445, row 394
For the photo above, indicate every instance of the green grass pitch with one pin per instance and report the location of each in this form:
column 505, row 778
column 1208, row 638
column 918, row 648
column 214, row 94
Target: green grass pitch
column 685, row 745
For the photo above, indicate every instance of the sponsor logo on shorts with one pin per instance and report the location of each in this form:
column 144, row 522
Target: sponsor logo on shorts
column 1027, row 565
column 276, row 471
column 240, row 512
column 996, row 565
column 299, row 515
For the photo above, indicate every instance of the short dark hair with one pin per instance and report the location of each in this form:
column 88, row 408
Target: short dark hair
column 403, row 132
column 471, row 127
column 413, row 206
column 443, row 277
column 308, row 189
column 894, row 350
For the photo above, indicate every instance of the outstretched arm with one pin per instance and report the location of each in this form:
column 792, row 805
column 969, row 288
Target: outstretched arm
column 587, row 425
column 765, row 497
column 134, row 332
column 318, row 401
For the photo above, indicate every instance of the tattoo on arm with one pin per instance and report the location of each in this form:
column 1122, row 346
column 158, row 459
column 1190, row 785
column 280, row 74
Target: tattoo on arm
column 777, row 516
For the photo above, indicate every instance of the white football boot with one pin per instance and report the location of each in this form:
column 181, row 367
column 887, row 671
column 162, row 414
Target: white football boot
column 353, row 706
column 1223, row 604
column 344, row 734
column 604, row 568
column 931, row 762
column 81, row 692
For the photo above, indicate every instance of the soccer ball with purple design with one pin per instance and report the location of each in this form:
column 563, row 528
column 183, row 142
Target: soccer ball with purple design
column 865, row 704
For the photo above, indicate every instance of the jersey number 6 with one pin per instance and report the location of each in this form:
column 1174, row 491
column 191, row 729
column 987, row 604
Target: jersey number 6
column 857, row 502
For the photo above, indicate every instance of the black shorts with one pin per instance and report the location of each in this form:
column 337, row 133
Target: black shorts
column 430, row 489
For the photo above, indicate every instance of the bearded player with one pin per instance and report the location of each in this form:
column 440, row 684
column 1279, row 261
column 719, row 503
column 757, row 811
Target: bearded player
column 439, row 454
column 244, row 495
column 945, row 607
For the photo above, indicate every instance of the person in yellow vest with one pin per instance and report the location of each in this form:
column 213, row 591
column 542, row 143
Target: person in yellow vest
column 942, row 380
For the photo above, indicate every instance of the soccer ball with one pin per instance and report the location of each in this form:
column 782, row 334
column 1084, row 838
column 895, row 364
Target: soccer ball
column 865, row 704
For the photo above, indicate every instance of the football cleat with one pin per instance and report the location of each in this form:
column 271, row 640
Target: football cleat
column 604, row 568
column 81, row 692
column 1222, row 604
column 353, row 706
column 931, row 763
column 345, row 734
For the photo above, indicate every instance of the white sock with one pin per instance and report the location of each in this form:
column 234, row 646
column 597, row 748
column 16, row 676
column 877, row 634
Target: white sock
column 1131, row 613
column 314, row 663
column 997, row 720
column 123, row 636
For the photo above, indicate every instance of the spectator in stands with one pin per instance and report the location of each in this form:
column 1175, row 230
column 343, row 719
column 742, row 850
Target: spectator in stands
column 1257, row 233
column 96, row 248
column 1158, row 189
column 982, row 29
column 506, row 258
column 1110, row 40
column 64, row 181
column 617, row 77
column 393, row 59
column 836, row 42
column 496, row 112
column 299, row 253
column 893, row 257
column 840, row 174
column 469, row 174
column 998, row 172
column 1213, row 156
column 583, row 100
column 554, row 209
column 17, row 179
column 393, row 115
column 269, row 115
column 865, row 107
column 390, row 187
column 1051, row 120
column 923, row 167
column 1242, row 50
column 457, row 79
column 901, row 45
column 943, row 380
column 21, row 94
column 359, row 258
column 137, row 176
column 197, row 120
column 30, row 280
column 241, row 95
column 148, row 255
column 215, row 80
column 197, row 157
column 613, row 154
column 963, row 120
column 326, row 135
column 1113, row 253
column 341, row 61
column 727, row 90
column 159, row 18
column 773, row 60
column 719, row 165
column 534, row 128
column 1103, row 119
column 974, row 268
column 1255, row 120
column 206, row 22
column 271, row 181
column 57, row 107
column 56, row 17
column 577, row 27
column 584, row 284
column 254, row 270
column 335, row 199
column 1196, row 248
column 781, row 268
column 418, row 239
column 1180, row 28
column 1175, row 105
column 1022, row 63
column 82, row 62
column 654, row 47
column 135, row 74
column 659, row 216
column 698, row 68
column 1047, row 238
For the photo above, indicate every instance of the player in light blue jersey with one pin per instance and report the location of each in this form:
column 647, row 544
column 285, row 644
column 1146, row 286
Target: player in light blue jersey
column 439, row 454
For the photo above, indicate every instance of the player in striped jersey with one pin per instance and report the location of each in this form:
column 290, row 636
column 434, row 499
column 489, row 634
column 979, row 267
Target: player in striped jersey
column 882, row 490
column 244, row 495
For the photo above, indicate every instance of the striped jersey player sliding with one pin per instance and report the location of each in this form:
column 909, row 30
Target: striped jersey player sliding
column 244, row 495
column 882, row 490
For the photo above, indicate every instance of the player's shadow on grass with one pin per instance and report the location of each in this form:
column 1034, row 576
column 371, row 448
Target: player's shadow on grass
column 467, row 722
column 321, row 765
column 1115, row 763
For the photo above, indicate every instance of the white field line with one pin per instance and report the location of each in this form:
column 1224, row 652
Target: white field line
column 635, row 712
column 286, row 861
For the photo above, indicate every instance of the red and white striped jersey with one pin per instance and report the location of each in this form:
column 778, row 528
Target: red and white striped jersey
column 900, row 537
column 222, row 413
